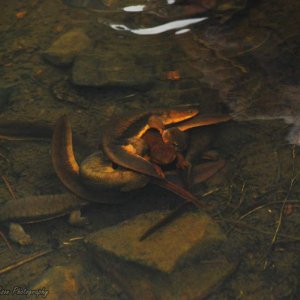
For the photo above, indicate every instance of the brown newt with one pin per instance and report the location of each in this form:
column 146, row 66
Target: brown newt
column 166, row 149
column 98, row 173
column 160, row 153
column 202, row 120
column 36, row 209
column 25, row 130
column 67, row 169
column 123, row 127
column 175, row 136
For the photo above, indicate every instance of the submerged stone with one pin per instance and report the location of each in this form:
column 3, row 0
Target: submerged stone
column 74, row 280
column 60, row 282
column 185, row 238
column 63, row 50
column 181, row 261
column 104, row 70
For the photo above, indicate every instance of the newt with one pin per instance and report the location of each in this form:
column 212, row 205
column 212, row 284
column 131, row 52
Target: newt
column 177, row 137
column 202, row 120
column 44, row 207
column 74, row 176
column 116, row 138
column 170, row 145
column 34, row 209
column 116, row 144
column 166, row 150
column 117, row 147
column 67, row 169
column 25, row 130
column 98, row 173
column 160, row 153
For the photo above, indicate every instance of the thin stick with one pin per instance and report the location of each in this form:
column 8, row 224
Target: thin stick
column 281, row 214
column 4, row 157
column 255, row 47
column 266, row 205
column 286, row 236
column 6, row 241
column 286, row 198
column 24, row 261
column 9, row 187
column 36, row 256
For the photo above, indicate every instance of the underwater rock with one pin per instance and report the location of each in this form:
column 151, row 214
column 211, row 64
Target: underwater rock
column 61, row 282
column 190, row 235
column 181, row 261
column 63, row 50
column 103, row 70
column 92, row 4
column 18, row 235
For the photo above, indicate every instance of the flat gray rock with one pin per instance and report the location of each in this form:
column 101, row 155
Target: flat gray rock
column 60, row 282
column 63, row 50
column 181, row 261
column 110, row 70
column 185, row 238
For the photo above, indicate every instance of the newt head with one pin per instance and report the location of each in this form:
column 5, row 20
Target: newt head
column 178, row 114
column 175, row 137
column 161, row 118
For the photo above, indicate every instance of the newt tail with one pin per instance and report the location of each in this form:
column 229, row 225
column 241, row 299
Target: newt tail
column 67, row 168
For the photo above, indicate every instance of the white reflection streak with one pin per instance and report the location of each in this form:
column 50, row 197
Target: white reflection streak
column 134, row 8
column 161, row 28
column 181, row 31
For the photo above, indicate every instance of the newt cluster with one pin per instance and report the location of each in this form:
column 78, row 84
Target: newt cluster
column 134, row 154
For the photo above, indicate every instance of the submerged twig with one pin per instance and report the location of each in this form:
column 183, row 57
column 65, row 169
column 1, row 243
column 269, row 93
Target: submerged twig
column 279, row 222
column 266, row 232
column 9, row 187
column 255, row 47
column 266, row 205
column 24, row 261
column 4, row 157
column 6, row 241
column 37, row 255
column 242, row 197
column 281, row 214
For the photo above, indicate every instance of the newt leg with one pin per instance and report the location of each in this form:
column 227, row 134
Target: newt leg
column 159, row 171
column 181, row 162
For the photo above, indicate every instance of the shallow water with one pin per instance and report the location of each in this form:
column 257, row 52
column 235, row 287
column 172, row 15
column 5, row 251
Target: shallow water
column 245, row 64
